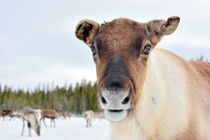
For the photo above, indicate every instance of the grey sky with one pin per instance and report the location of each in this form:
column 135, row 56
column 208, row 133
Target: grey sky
column 37, row 42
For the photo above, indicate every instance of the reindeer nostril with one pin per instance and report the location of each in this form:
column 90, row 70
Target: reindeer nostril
column 126, row 100
column 103, row 100
column 114, row 86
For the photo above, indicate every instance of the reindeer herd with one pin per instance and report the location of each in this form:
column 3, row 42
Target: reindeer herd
column 34, row 117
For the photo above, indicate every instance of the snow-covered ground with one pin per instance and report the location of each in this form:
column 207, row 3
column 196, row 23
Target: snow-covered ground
column 69, row 129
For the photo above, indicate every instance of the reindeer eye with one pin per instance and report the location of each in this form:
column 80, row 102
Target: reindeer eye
column 146, row 50
column 93, row 49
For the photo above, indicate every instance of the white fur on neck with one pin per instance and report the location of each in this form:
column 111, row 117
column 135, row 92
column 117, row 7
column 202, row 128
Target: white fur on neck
column 162, row 96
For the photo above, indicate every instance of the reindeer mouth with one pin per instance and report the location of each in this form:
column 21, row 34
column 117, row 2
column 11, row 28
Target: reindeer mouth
column 115, row 115
column 115, row 111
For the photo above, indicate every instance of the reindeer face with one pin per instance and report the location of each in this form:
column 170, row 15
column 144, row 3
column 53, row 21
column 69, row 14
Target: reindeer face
column 120, row 50
column 37, row 128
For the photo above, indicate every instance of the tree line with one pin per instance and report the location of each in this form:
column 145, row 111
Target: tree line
column 75, row 99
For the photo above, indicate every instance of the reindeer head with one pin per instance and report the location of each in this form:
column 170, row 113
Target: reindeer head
column 120, row 51
column 35, row 124
column 37, row 129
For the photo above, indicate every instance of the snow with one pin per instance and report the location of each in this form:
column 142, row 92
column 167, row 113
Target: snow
column 66, row 129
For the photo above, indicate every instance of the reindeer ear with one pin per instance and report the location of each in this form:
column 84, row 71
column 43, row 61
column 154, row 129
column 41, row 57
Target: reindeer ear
column 163, row 27
column 86, row 30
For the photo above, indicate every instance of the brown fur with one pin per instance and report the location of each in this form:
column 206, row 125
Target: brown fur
column 49, row 113
column 6, row 112
column 122, row 42
column 203, row 70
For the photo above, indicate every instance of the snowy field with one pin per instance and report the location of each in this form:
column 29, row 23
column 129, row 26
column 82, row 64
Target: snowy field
column 66, row 129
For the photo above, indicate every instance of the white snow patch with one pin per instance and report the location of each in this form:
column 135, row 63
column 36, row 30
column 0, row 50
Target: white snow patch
column 66, row 129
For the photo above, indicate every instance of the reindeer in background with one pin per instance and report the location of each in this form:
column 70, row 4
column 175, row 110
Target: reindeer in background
column 29, row 115
column 5, row 112
column 89, row 116
column 52, row 114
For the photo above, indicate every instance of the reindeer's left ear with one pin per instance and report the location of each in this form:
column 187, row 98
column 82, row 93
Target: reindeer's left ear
column 162, row 27
column 86, row 31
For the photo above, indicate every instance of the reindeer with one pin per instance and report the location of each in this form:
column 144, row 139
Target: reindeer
column 145, row 92
column 49, row 113
column 29, row 115
column 66, row 114
column 15, row 114
column 89, row 115
column 99, row 115
column 6, row 112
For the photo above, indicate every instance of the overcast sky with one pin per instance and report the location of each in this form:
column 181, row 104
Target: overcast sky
column 37, row 42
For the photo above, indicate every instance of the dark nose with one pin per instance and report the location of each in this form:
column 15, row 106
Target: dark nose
column 114, row 83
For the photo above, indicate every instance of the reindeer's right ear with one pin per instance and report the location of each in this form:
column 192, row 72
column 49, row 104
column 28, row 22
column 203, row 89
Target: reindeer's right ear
column 86, row 30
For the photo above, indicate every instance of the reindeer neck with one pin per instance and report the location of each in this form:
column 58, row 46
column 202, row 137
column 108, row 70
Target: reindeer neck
column 33, row 120
column 163, row 95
